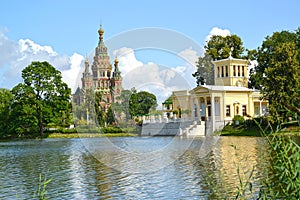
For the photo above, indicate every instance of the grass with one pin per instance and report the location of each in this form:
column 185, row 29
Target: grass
column 240, row 131
column 255, row 131
column 89, row 135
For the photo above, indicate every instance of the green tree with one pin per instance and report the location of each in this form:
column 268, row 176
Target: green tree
column 23, row 114
column 277, row 74
column 281, row 83
column 141, row 103
column 266, row 53
column 100, row 108
column 122, row 104
column 5, row 111
column 43, row 96
column 110, row 117
column 217, row 48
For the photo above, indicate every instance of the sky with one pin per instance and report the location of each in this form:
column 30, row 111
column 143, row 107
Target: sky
column 157, row 42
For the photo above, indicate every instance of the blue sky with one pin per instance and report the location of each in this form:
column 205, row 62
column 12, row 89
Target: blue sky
column 67, row 29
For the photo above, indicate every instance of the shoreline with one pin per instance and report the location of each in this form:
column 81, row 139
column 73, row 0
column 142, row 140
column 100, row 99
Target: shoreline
column 90, row 135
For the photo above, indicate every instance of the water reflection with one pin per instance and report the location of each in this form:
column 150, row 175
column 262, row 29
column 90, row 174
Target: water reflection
column 131, row 168
column 235, row 162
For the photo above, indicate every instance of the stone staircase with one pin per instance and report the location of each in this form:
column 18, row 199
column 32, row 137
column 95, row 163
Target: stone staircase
column 195, row 129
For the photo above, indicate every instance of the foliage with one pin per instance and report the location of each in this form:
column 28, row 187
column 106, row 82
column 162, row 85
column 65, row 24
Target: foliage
column 277, row 75
column 113, row 129
column 41, row 189
column 5, row 112
column 281, row 179
column 141, row 103
column 122, row 105
column 100, row 108
column 282, row 84
column 266, row 54
column 43, row 98
column 110, row 119
column 217, row 48
column 205, row 70
column 238, row 118
column 283, row 175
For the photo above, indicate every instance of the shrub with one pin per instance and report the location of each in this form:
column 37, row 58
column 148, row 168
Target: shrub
column 238, row 119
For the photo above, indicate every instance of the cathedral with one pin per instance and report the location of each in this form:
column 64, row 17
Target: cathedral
column 101, row 77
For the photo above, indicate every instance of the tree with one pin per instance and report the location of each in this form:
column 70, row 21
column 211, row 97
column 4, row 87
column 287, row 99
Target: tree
column 5, row 111
column 110, row 119
column 277, row 74
column 122, row 104
column 140, row 103
column 266, row 53
column 100, row 107
column 23, row 112
column 205, row 70
column 217, row 48
column 43, row 97
column 281, row 83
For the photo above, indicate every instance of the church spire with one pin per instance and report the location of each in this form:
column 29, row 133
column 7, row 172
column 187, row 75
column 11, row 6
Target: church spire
column 116, row 64
column 100, row 31
column 117, row 73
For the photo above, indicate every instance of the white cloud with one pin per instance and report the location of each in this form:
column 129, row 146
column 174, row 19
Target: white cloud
column 127, row 60
column 16, row 55
column 151, row 77
column 72, row 74
column 217, row 31
column 189, row 55
column 29, row 46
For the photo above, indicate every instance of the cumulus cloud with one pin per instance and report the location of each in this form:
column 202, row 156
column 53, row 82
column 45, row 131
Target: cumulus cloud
column 71, row 75
column 217, row 31
column 190, row 55
column 151, row 77
column 127, row 59
column 16, row 55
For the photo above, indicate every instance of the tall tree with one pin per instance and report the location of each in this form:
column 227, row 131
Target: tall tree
column 121, row 107
column 281, row 83
column 266, row 53
column 141, row 103
column 45, row 96
column 5, row 111
column 100, row 108
column 217, row 48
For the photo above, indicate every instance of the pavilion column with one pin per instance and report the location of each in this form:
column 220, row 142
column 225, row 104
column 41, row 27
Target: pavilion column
column 206, row 108
column 212, row 112
column 260, row 109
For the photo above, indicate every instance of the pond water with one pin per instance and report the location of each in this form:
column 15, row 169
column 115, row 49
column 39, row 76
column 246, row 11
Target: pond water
column 128, row 168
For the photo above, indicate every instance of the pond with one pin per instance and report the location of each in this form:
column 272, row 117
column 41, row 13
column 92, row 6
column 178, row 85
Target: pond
column 128, row 167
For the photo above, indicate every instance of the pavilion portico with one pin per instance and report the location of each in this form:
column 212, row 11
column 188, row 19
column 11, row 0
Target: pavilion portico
column 229, row 96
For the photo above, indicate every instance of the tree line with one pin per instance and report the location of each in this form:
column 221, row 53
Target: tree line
column 277, row 74
column 43, row 101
